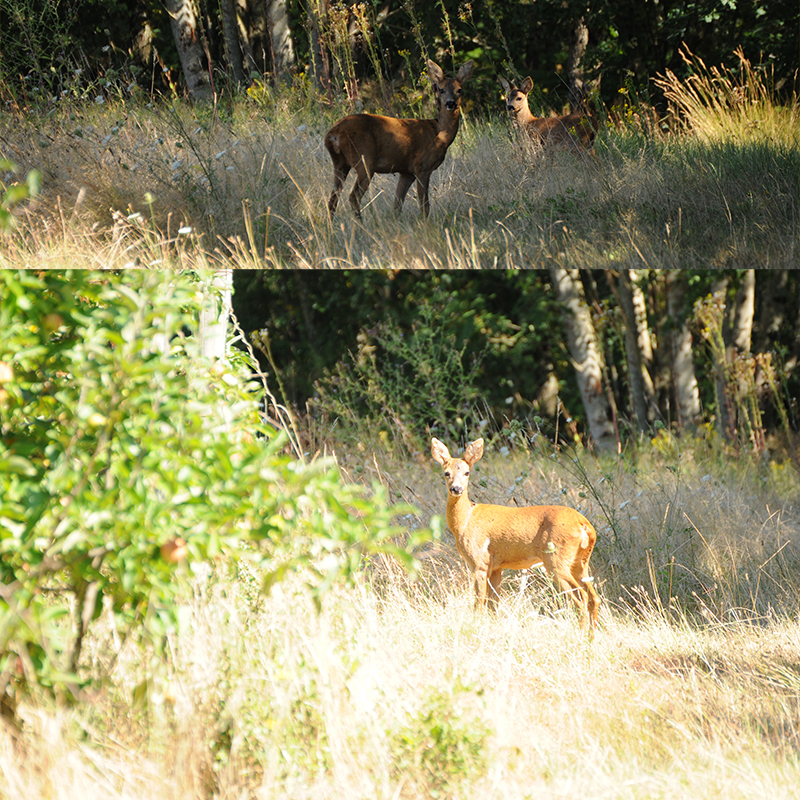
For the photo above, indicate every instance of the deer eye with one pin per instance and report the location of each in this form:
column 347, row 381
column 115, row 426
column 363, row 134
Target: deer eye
column 447, row 473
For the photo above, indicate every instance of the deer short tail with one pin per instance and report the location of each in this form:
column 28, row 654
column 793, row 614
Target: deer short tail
column 585, row 540
column 332, row 143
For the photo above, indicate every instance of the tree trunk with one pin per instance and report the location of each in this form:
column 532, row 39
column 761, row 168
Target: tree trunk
column 633, row 351
column 742, row 332
column 579, row 38
column 214, row 315
column 280, row 37
column 186, row 32
column 230, row 33
column 251, row 24
column 588, row 363
column 684, row 378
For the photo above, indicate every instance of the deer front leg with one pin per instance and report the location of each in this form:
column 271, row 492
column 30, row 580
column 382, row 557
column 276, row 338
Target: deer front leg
column 481, row 578
column 422, row 193
column 403, row 185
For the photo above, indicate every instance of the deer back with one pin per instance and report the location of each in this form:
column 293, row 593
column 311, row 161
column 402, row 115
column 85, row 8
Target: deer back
column 571, row 130
column 386, row 144
column 518, row 537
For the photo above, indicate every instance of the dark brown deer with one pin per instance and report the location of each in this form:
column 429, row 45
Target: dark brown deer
column 414, row 148
column 574, row 132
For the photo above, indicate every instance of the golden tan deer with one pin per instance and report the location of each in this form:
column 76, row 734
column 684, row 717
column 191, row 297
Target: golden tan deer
column 575, row 132
column 493, row 538
column 369, row 143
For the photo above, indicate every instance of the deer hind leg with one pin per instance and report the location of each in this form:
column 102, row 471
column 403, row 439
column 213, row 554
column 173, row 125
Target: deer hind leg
column 341, row 169
column 571, row 586
column 364, row 176
column 580, row 572
column 403, row 185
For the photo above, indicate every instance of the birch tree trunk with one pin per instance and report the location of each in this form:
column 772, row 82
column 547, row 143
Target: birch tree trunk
column 280, row 37
column 742, row 333
column 586, row 357
column 214, row 315
column 638, row 376
column 684, row 379
column 579, row 39
column 233, row 47
column 186, row 32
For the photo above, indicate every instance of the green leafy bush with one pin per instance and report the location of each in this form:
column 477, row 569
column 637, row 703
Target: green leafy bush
column 443, row 746
column 406, row 381
column 14, row 194
column 126, row 460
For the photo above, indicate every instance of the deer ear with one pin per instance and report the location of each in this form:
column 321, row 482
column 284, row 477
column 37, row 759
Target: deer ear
column 465, row 73
column 474, row 451
column 527, row 85
column 435, row 72
column 504, row 85
column 439, row 452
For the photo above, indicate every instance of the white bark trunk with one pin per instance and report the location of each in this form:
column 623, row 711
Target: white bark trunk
column 586, row 357
column 634, row 357
column 743, row 317
column 687, row 393
column 280, row 39
column 186, row 32
column 214, row 315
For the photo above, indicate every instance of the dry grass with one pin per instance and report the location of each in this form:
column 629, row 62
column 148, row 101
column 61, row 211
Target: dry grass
column 253, row 187
column 398, row 689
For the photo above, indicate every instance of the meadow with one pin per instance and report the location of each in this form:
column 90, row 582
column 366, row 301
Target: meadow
column 396, row 688
column 244, row 184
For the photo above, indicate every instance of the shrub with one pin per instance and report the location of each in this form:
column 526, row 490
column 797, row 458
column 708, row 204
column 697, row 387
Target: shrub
column 127, row 460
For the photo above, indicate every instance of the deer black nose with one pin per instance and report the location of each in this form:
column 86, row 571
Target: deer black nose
column 451, row 105
column 456, row 490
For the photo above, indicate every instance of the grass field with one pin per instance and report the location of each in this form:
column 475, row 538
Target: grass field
column 715, row 185
column 398, row 689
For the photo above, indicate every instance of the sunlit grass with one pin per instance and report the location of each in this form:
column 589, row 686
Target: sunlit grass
column 720, row 189
column 397, row 688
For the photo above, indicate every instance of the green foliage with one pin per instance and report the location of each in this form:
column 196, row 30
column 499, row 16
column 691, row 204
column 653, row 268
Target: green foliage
column 442, row 746
column 127, row 461
column 434, row 349
column 16, row 193
column 405, row 381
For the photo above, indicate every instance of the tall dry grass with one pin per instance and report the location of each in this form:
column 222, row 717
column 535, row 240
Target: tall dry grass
column 399, row 689
column 252, row 184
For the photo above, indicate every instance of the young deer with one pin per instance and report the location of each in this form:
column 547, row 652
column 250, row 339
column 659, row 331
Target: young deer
column 493, row 538
column 575, row 132
column 369, row 143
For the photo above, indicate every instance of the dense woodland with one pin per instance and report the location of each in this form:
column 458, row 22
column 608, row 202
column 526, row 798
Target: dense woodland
column 368, row 50
column 616, row 352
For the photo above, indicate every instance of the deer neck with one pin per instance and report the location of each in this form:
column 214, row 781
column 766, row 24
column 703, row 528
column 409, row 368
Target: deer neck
column 523, row 116
column 459, row 510
column 447, row 125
